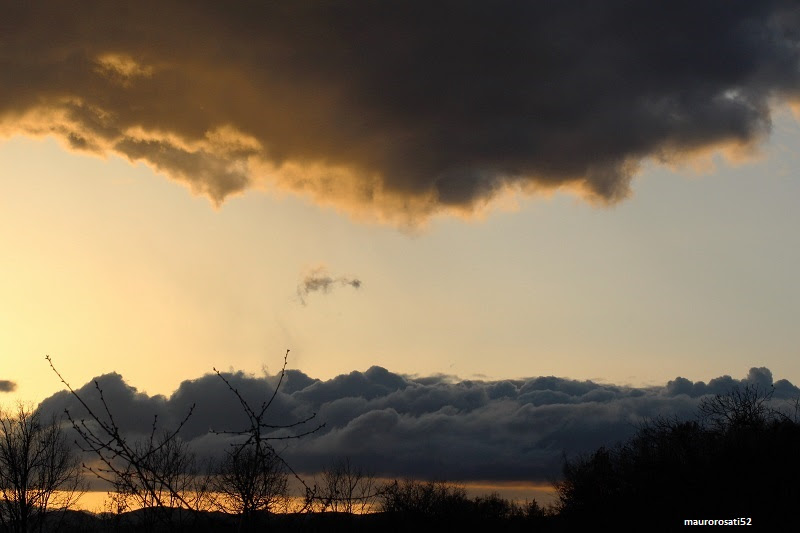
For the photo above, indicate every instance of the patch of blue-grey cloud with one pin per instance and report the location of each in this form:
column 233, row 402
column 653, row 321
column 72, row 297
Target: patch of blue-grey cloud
column 319, row 280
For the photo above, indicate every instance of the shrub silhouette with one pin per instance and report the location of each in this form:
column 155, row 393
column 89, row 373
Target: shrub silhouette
column 431, row 500
column 411, row 503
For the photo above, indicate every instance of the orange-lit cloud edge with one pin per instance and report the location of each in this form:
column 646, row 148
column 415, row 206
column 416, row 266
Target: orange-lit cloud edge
column 228, row 151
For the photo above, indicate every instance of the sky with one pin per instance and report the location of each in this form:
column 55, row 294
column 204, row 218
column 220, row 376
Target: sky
column 604, row 193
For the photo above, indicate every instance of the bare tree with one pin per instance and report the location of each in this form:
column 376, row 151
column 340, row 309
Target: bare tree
column 346, row 488
column 39, row 472
column 172, row 471
column 173, row 474
column 253, row 477
column 141, row 471
column 743, row 407
column 250, row 479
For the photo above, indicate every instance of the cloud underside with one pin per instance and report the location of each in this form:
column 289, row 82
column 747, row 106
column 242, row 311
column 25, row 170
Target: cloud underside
column 434, row 427
column 7, row 386
column 399, row 110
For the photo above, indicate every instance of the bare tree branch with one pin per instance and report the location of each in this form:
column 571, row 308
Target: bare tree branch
column 136, row 469
column 253, row 475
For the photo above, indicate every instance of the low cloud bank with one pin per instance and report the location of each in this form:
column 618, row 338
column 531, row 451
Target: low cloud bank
column 433, row 427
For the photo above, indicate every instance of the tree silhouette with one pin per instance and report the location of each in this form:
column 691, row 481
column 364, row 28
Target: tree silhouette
column 250, row 479
column 136, row 469
column 435, row 501
column 253, row 476
column 38, row 471
column 346, row 488
column 746, row 407
column 160, row 472
column 411, row 504
column 738, row 459
column 173, row 473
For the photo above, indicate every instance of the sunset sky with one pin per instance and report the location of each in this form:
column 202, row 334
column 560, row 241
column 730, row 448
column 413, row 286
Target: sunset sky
column 492, row 191
column 110, row 267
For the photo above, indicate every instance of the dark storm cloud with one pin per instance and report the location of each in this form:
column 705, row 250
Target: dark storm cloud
column 513, row 430
column 760, row 377
column 399, row 108
column 319, row 280
column 7, row 386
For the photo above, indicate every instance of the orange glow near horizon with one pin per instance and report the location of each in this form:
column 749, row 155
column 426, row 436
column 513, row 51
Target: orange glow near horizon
column 518, row 492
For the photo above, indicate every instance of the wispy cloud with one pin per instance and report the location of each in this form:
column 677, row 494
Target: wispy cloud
column 318, row 280
column 400, row 109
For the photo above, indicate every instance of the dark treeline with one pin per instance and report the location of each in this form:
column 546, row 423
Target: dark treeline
column 736, row 459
